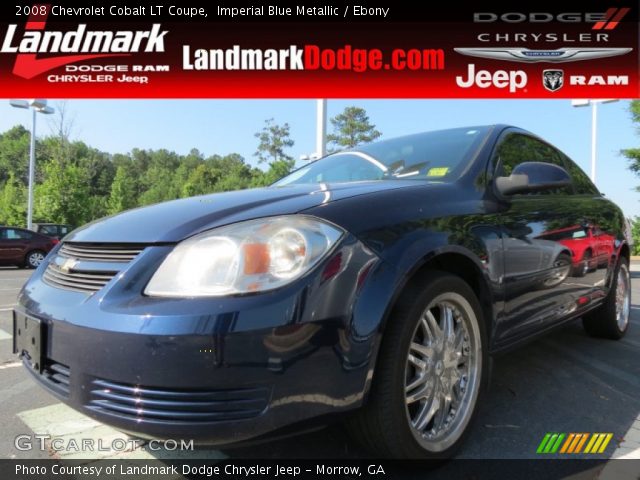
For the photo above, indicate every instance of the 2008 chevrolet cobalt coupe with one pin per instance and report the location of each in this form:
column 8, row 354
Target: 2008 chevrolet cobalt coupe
column 378, row 280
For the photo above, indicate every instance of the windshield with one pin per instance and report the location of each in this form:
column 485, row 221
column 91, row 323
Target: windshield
column 433, row 156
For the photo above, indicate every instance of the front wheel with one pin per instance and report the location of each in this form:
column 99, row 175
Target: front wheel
column 430, row 372
column 611, row 319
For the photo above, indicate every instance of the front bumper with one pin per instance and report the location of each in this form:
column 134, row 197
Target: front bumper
column 218, row 370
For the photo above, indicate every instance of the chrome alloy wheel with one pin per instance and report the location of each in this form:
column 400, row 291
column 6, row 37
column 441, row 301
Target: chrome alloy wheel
column 623, row 297
column 443, row 371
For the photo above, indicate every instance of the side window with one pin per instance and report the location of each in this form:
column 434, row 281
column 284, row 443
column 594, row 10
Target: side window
column 516, row 148
column 582, row 185
column 12, row 234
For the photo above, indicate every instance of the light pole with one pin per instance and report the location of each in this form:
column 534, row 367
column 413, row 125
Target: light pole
column 321, row 127
column 37, row 106
column 321, row 131
column 594, row 126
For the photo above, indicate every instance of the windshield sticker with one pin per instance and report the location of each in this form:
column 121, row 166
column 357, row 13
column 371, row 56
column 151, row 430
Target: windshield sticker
column 437, row 171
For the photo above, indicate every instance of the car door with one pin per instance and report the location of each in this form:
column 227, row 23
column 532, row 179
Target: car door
column 603, row 223
column 15, row 243
column 537, row 285
column 5, row 247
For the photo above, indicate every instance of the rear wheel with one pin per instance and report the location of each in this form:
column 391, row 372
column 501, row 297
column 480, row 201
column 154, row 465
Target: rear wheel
column 560, row 272
column 586, row 263
column 611, row 319
column 430, row 372
column 34, row 258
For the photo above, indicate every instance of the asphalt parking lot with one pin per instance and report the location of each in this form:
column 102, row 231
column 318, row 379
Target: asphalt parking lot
column 564, row 382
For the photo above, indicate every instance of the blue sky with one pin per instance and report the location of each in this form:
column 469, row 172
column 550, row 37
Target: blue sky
column 226, row 126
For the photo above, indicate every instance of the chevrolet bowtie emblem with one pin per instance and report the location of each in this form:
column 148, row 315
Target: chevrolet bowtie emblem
column 551, row 56
column 68, row 264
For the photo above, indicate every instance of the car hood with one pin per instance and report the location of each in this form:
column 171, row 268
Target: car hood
column 176, row 220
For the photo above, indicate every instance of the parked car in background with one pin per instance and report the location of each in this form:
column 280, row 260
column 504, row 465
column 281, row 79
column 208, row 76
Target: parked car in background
column 24, row 248
column 376, row 281
column 590, row 247
column 56, row 230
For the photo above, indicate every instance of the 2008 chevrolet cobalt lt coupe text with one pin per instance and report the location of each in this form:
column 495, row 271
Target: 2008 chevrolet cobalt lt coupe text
column 376, row 281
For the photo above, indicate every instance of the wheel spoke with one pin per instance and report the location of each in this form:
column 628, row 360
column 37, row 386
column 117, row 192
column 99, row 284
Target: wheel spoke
column 417, row 362
column 447, row 320
column 439, row 416
column 423, row 351
column 435, row 332
column 444, row 411
column 418, row 394
column 427, row 411
column 458, row 340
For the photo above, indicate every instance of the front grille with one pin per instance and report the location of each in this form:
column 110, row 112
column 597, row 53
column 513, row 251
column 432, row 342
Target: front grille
column 56, row 376
column 177, row 406
column 99, row 253
column 72, row 268
column 78, row 281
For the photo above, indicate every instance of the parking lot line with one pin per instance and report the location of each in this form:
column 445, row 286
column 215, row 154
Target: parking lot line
column 10, row 365
column 4, row 335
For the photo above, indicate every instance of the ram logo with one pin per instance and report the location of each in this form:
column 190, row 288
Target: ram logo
column 553, row 80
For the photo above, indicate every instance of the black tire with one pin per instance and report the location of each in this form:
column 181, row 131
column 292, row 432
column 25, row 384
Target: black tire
column 383, row 425
column 607, row 321
column 34, row 258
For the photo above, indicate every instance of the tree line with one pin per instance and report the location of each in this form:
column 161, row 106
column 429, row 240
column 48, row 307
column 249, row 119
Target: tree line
column 76, row 183
column 633, row 157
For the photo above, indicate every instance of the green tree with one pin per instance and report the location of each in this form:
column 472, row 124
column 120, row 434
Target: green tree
column 273, row 140
column 635, row 235
column 14, row 153
column 122, row 195
column 64, row 195
column 13, row 202
column 352, row 127
column 633, row 154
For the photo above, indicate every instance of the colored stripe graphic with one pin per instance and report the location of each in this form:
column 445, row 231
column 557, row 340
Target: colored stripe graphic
column 607, row 16
column 606, row 441
column 565, row 447
column 581, row 443
column 551, row 443
column 573, row 443
column 614, row 23
column 543, row 443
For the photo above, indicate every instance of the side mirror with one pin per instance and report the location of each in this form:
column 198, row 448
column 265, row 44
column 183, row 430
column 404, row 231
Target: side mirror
column 531, row 177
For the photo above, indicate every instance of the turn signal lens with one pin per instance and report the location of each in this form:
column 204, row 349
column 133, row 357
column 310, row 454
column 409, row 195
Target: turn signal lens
column 251, row 256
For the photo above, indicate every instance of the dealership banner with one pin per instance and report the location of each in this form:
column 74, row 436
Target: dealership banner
column 366, row 49
column 285, row 49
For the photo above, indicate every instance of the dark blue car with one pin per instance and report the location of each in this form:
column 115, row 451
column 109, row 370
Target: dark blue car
column 375, row 282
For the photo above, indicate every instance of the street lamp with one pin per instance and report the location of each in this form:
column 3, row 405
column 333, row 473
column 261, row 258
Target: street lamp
column 321, row 127
column 321, row 131
column 37, row 106
column 594, row 125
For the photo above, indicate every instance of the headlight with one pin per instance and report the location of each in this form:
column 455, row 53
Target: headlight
column 251, row 256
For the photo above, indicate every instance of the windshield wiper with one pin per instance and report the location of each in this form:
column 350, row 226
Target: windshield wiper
column 399, row 172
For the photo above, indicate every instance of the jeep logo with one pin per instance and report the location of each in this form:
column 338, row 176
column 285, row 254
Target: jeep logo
column 513, row 79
